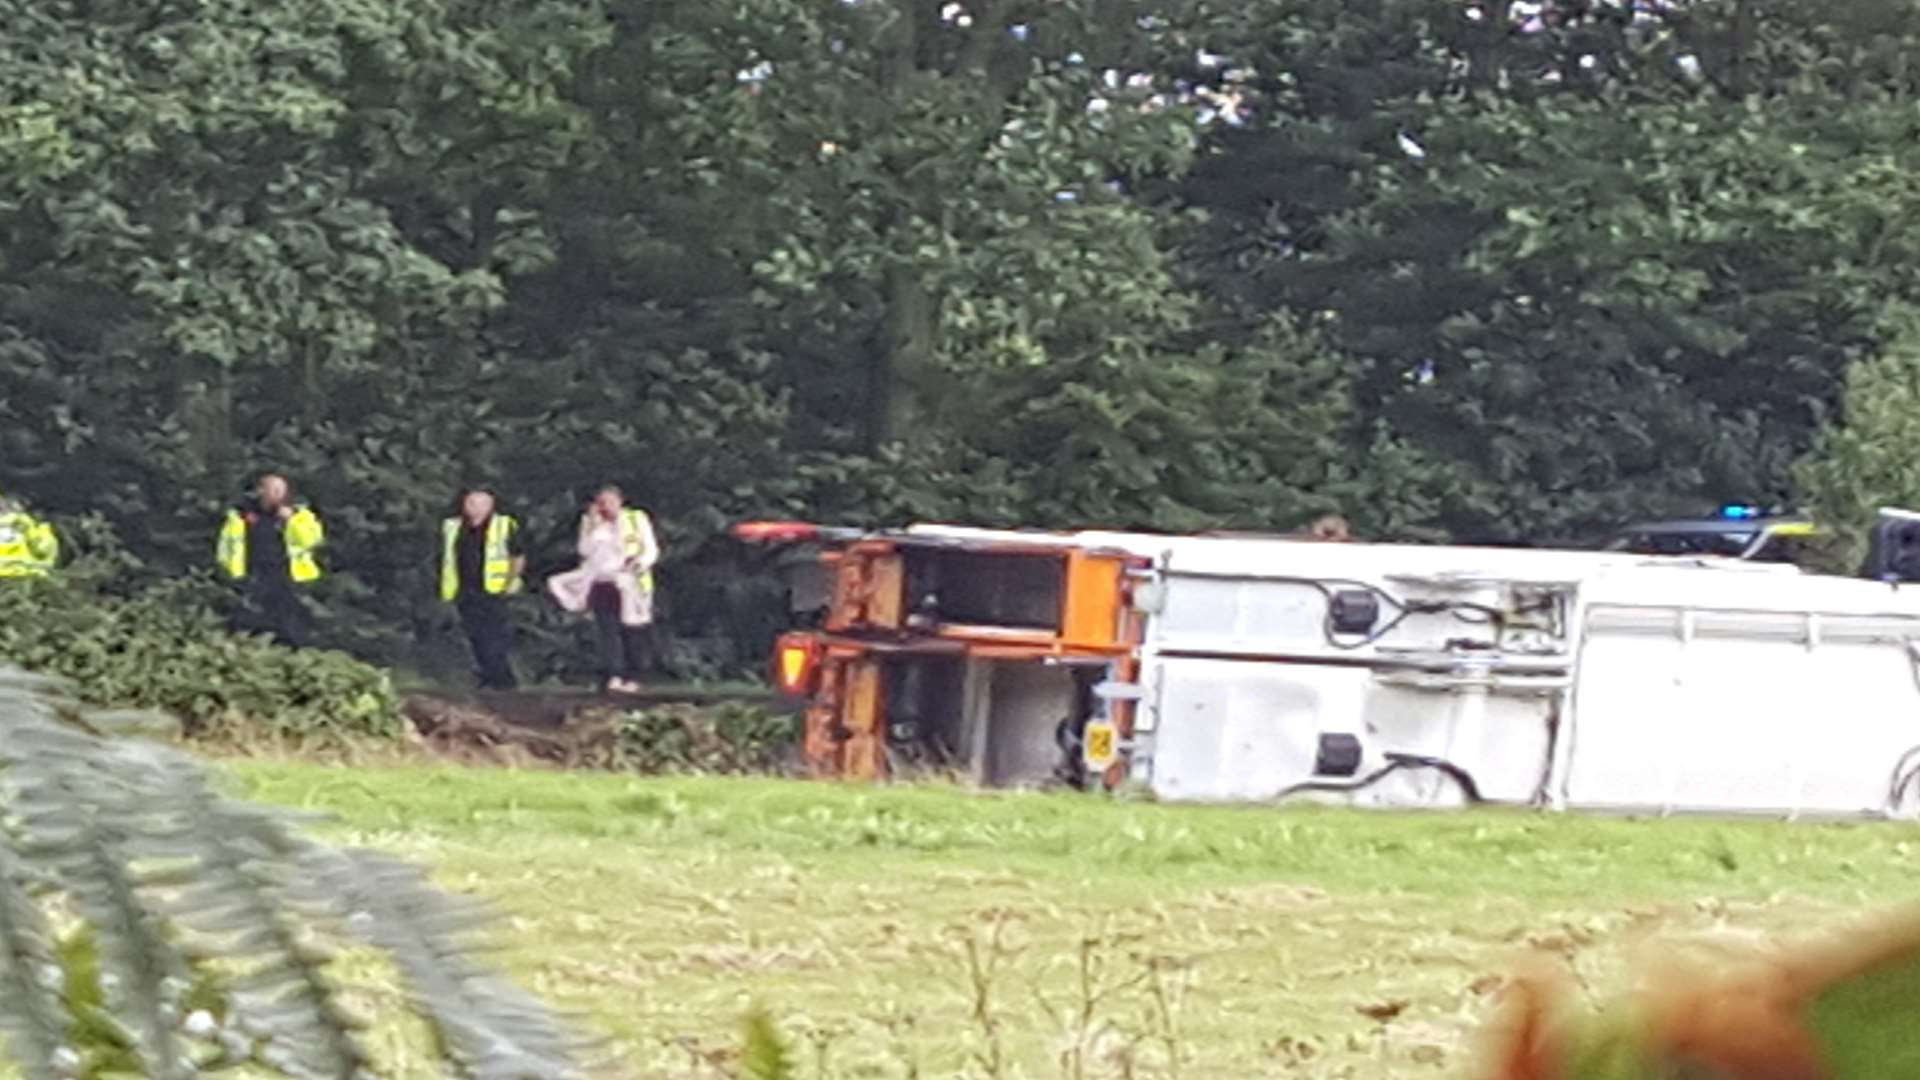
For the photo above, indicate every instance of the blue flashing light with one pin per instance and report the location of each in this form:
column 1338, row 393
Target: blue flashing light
column 1739, row 512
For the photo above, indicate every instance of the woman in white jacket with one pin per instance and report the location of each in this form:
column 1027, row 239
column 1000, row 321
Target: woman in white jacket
column 614, row 581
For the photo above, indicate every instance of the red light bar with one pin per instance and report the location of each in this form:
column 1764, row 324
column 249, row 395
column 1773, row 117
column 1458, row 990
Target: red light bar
column 788, row 532
column 758, row 532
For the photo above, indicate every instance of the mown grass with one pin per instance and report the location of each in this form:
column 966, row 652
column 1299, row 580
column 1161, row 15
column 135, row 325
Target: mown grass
column 1134, row 939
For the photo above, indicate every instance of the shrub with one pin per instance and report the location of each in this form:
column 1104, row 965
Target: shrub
column 163, row 646
column 729, row 738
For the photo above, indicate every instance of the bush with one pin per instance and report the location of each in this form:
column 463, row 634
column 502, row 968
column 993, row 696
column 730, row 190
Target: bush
column 729, row 739
column 163, row 646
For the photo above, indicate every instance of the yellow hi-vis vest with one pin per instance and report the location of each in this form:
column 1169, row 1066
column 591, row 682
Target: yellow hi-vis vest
column 28, row 546
column 303, row 536
column 496, row 573
column 636, row 537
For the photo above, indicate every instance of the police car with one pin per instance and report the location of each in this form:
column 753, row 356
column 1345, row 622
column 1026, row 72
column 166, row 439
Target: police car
column 1736, row 531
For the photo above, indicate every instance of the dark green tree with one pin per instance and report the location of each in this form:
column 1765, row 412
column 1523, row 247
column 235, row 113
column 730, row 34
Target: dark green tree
column 1600, row 261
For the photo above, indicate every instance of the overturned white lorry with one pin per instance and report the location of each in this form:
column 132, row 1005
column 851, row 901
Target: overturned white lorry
column 1260, row 669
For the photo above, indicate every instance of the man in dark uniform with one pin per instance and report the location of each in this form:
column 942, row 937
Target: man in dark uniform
column 481, row 563
column 270, row 543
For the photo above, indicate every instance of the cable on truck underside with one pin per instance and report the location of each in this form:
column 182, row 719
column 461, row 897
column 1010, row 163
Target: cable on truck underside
column 1395, row 763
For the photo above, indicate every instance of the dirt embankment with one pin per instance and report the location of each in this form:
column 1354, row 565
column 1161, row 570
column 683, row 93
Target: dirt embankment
column 570, row 729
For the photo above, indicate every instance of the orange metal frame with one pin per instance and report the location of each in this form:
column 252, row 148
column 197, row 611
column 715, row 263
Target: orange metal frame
column 846, row 714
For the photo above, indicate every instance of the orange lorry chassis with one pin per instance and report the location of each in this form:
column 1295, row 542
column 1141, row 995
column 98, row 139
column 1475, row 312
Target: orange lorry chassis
column 1012, row 659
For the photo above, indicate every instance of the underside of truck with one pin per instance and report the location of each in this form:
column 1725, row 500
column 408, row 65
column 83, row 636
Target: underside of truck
column 993, row 659
column 1251, row 669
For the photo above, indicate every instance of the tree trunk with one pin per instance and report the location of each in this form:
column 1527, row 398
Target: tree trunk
column 1738, row 40
column 902, row 368
column 904, row 350
column 1484, row 55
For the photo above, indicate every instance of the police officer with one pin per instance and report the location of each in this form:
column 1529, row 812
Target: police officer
column 28, row 546
column 271, row 544
column 481, row 563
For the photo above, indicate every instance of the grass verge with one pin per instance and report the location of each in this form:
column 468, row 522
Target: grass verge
column 925, row 931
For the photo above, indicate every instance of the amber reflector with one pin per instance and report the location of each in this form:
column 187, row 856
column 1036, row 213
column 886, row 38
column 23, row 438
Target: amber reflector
column 796, row 663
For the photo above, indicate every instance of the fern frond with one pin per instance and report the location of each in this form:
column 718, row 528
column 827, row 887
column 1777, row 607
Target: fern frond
column 488, row 1029
column 32, row 1015
column 80, row 823
column 100, row 810
column 286, row 1001
column 161, row 868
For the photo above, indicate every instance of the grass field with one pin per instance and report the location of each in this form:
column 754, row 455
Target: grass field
column 1132, row 939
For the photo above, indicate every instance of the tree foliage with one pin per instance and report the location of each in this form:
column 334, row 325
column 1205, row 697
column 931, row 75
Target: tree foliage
column 1595, row 343
column 1590, row 261
column 1866, row 461
column 1495, row 270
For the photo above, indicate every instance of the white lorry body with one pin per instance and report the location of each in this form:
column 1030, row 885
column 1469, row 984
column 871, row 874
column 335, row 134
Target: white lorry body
column 1560, row 679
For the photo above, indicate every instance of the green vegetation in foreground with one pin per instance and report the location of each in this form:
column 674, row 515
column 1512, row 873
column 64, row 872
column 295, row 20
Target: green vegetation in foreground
column 1250, row 941
column 119, row 638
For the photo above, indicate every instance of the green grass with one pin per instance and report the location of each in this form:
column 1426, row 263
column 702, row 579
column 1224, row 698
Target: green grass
column 1249, row 940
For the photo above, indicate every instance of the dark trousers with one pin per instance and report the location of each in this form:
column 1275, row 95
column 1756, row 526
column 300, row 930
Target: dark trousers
column 273, row 608
column 490, row 633
column 625, row 651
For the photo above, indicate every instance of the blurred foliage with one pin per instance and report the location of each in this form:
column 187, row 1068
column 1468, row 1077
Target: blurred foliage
column 150, row 926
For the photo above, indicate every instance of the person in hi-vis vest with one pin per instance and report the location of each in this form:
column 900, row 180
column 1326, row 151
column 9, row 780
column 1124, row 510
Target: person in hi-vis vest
column 28, row 546
column 615, row 581
column 481, row 563
column 270, row 544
